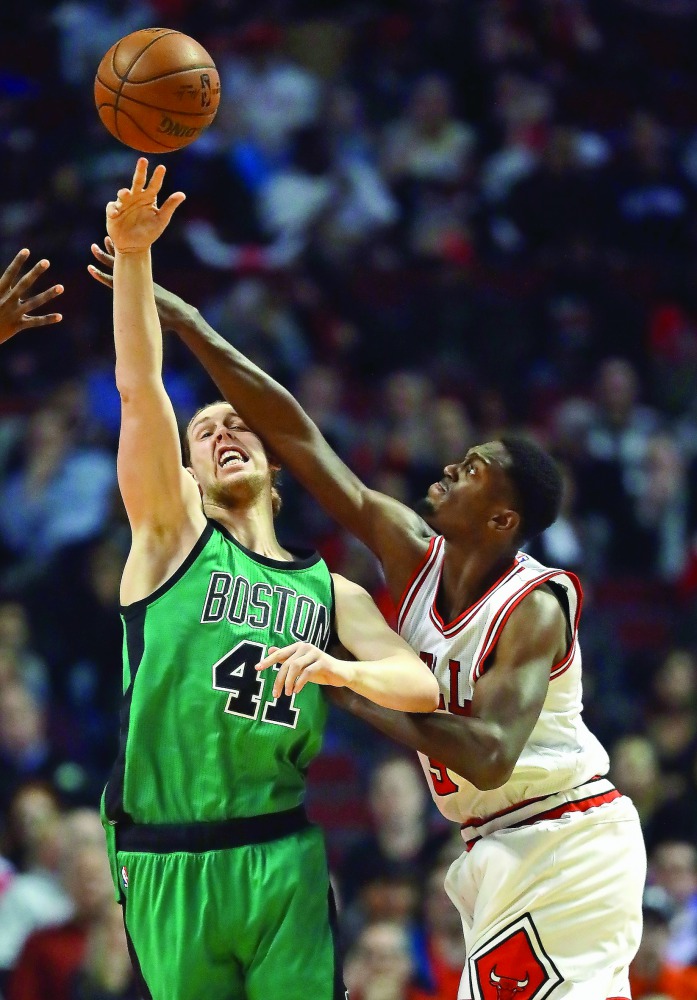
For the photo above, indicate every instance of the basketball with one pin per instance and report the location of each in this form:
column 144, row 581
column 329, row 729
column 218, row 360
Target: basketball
column 156, row 90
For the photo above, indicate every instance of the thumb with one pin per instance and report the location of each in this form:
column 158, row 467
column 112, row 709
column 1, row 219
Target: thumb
column 171, row 205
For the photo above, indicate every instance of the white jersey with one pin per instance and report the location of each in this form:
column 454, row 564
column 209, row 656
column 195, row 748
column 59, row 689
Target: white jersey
column 560, row 753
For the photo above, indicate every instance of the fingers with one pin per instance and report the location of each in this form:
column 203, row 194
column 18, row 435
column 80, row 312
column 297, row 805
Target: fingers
column 102, row 256
column 139, row 175
column 104, row 279
column 274, row 655
column 10, row 274
column 158, row 176
column 109, row 244
column 280, row 680
column 294, row 666
column 36, row 301
column 32, row 321
column 27, row 280
column 112, row 210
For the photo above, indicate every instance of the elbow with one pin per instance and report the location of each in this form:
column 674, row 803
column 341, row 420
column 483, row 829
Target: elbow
column 427, row 697
column 495, row 765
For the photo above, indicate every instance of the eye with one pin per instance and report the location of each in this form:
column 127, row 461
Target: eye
column 205, row 434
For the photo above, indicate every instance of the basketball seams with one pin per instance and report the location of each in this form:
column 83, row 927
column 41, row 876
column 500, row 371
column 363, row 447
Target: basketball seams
column 154, row 107
column 137, row 57
column 124, row 79
column 164, row 148
column 174, row 72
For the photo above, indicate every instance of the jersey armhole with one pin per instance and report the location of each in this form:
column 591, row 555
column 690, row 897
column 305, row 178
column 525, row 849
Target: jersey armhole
column 129, row 611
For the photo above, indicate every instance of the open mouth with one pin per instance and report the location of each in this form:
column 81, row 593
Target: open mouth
column 230, row 458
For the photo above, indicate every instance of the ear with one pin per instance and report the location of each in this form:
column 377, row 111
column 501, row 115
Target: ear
column 193, row 476
column 505, row 520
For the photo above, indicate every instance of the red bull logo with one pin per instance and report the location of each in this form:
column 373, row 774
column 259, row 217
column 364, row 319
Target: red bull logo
column 513, row 965
column 506, row 986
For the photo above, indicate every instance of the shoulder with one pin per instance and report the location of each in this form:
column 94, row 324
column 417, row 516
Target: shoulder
column 537, row 621
column 347, row 591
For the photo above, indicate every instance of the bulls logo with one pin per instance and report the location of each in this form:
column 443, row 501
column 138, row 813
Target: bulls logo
column 506, row 988
column 513, row 965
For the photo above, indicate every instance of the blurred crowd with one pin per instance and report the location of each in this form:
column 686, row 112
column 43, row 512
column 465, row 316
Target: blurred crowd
column 432, row 220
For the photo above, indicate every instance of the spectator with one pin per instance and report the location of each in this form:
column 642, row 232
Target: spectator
column 106, row 972
column 651, row 973
column 36, row 897
column 380, row 965
column 51, row 959
column 60, row 493
column 444, row 945
column 402, row 841
column 673, row 867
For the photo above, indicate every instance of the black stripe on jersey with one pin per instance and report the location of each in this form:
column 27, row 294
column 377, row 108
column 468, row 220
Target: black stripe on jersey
column 129, row 611
column 340, row 991
column 302, row 557
column 135, row 647
column 135, row 963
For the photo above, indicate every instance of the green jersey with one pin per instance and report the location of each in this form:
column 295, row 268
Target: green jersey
column 202, row 737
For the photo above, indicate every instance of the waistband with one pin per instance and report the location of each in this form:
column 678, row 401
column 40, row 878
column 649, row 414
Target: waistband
column 589, row 795
column 195, row 838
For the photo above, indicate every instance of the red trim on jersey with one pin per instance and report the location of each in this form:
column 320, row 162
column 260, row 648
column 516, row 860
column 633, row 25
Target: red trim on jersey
column 480, row 821
column 580, row 805
column 456, row 626
column 496, row 626
column 414, row 584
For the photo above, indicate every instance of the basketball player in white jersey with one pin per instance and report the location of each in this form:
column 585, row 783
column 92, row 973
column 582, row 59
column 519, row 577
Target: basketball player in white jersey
column 550, row 880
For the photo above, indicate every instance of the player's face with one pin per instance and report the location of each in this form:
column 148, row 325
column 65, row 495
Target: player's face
column 227, row 458
column 472, row 491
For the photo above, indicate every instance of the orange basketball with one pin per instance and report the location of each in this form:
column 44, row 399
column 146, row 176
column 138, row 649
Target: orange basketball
column 157, row 90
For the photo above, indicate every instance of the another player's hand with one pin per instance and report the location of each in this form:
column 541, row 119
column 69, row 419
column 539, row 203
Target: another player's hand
column 134, row 221
column 15, row 307
column 302, row 663
column 172, row 310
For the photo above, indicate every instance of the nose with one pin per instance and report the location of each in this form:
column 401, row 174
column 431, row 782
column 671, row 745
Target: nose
column 451, row 471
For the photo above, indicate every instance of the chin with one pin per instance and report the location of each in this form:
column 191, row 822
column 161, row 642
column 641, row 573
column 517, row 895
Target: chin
column 426, row 509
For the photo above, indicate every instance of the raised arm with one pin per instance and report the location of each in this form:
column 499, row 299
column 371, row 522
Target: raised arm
column 160, row 497
column 396, row 534
column 386, row 671
column 16, row 305
column 484, row 747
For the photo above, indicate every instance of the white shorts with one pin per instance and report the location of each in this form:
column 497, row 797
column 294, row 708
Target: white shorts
column 552, row 909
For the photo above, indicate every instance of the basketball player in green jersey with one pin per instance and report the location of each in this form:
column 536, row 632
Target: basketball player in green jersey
column 223, row 881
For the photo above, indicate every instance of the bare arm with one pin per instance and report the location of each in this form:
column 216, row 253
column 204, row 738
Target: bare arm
column 386, row 670
column 161, row 499
column 485, row 747
column 15, row 304
column 396, row 534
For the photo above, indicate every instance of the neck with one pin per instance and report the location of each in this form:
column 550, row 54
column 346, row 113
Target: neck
column 252, row 526
column 468, row 572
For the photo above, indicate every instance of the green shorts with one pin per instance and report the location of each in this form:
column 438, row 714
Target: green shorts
column 249, row 922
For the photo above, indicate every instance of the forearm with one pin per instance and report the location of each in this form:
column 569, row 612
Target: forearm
column 261, row 401
column 395, row 683
column 137, row 333
column 467, row 746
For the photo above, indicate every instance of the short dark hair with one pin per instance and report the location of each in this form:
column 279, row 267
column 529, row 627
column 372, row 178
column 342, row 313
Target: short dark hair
column 538, row 483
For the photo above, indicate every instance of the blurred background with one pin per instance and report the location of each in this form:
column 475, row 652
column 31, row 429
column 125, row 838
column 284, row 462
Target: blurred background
column 432, row 220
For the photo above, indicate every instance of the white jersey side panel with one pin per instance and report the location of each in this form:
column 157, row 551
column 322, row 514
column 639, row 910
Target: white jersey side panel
column 561, row 752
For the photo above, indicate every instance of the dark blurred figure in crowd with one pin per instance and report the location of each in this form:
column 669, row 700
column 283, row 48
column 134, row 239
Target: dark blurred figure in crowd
column 651, row 974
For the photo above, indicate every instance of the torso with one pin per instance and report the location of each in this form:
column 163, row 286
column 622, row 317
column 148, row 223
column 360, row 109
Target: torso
column 202, row 737
column 560, row 753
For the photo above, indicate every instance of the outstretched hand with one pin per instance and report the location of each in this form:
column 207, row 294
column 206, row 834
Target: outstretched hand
column 172, row 310
column 134, row 221
column 15, row 307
